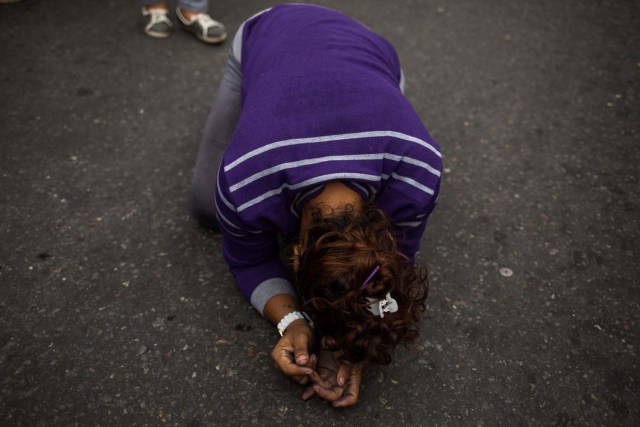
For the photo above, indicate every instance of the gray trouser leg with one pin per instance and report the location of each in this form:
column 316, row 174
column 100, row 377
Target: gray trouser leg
column 194, row 5
column 217, row 134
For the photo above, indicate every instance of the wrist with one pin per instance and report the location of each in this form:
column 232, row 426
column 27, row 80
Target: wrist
column 294, row 319
column 298, row 326
column 279, row 306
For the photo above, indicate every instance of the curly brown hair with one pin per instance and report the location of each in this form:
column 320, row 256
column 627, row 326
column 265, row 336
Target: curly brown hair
column 337, row 253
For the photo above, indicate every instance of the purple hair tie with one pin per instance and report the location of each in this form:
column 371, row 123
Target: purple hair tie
column 373, row 273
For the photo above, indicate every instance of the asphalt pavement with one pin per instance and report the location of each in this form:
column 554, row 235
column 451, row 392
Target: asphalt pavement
column 117, row 309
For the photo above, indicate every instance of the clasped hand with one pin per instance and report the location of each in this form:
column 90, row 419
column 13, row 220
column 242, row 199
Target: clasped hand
column 326, row 376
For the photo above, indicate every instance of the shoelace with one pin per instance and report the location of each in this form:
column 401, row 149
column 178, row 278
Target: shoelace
column 157, row 15
column 206, row 21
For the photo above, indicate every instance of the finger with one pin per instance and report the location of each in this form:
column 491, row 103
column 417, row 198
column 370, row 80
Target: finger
column 331, row 394
column 321, row 380
column 311, row 364
column 279, row 350
column 301, row 348
column 352, row 391
column 344, row 372
column 301, row 379
column 308, row 393
column 348, row 399
column 285, row 362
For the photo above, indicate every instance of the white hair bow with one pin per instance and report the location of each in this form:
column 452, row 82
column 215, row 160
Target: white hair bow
column 386, row 305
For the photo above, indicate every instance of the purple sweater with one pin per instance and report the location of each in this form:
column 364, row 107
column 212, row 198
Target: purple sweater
column 320, row 102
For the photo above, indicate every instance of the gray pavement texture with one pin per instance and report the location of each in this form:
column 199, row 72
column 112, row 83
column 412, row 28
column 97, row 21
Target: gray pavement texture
column 117, row 309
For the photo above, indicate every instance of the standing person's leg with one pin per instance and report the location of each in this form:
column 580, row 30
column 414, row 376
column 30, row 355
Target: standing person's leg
column 154, row 3
column 155, row 19
column 194, row 17
column 200, row 6
column 217, row 133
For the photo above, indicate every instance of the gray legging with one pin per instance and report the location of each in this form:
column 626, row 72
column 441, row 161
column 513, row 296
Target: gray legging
column 217, row 133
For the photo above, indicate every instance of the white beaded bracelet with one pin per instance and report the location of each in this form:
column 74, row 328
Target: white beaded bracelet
column 290, row 318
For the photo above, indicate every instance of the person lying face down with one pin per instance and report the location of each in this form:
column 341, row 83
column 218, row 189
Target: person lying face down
column 310, row 137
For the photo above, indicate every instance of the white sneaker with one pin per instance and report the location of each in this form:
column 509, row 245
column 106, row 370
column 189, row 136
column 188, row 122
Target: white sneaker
column 157, row 23
column 204, row 27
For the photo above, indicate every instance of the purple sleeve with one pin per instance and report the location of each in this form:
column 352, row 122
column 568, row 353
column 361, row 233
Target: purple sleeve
column 252, row 254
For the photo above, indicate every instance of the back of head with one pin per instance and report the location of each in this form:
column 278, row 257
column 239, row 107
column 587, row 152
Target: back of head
column 337, row 254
